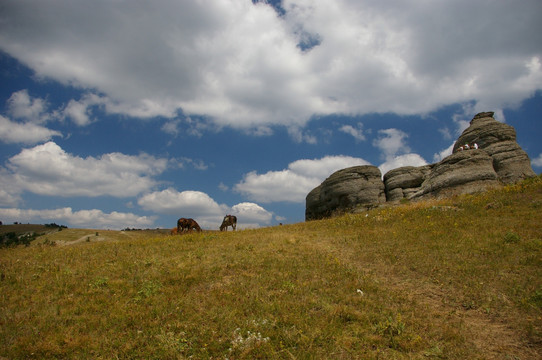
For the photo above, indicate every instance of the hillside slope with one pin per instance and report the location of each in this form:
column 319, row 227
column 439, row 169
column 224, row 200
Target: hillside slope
column 453, row 279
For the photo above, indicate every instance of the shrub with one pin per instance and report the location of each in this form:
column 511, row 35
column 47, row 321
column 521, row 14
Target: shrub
column 511, row 238
column 12, row 239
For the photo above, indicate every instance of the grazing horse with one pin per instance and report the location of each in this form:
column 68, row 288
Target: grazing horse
column 174, row 231
column 187, row 224
column 229, row 220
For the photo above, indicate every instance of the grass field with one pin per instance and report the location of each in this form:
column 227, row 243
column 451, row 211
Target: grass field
column 452, row 279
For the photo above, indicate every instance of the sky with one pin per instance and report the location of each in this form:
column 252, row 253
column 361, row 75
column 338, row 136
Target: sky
column 131, row 114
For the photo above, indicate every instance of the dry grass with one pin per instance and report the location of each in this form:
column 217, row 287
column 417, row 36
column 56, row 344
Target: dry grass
column 452, row 279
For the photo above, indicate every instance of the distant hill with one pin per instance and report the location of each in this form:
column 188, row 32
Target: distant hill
column 25, row 228
column 24, row 234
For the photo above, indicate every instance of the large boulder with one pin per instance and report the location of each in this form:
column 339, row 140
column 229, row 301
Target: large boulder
column 510, row 162
column 344, row 190
column 315, row 208
column 405, row 181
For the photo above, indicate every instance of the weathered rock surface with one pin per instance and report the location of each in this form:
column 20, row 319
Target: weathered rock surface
column 403, row 182
column 510, row 162
column 498, row 160
column 344, row 190
column 460, row 173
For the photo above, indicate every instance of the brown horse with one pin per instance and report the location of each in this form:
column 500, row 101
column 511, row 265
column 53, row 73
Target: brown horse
column 187, row 224
column 229, row 220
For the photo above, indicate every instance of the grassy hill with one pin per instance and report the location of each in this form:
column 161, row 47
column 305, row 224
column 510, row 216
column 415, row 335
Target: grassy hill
column 25, row 228
column 451, row 279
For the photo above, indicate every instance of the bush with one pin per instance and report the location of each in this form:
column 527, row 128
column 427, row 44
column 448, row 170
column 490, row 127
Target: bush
column 54, row 225
column 511, row 238
column 12, row 239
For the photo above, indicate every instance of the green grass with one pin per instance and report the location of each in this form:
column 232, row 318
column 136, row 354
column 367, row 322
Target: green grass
column 451, row 279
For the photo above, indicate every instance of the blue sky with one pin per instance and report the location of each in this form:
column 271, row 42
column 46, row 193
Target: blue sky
column 135, row 113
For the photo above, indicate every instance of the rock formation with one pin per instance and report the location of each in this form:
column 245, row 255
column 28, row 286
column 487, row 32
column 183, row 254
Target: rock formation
column 405, row 181
column 344, row 190
column 460, row 173
column 498, row 160
column 498, row 140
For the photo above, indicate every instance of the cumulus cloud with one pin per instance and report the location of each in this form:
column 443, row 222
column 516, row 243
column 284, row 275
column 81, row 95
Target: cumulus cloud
column 186, row 203
column 201, row 207
column 22, row 106
column 28, row 114
column 80, row 111
column 400, row 161
column 356, row 132
column 537, row 162
column 26, row 133
column 294, row 183
column 10, row 193
column 171, row 127
column 49, row 170
column 183, row 162
column 94, row 219
column 391, row 142
column 395, row 150
column 242, row 65
column 251, row 215
column 445, row 132
column 298, row 135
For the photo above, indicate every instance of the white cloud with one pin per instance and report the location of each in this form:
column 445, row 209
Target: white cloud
column 10, row 193
column 276, row 186
column 445, row 133
column 80, row 112
column 241, row 65
column 444, row 153
column 26, row 133
column 22, row 106
column 400, row 161
column 185, row 204
column 8, row 198
column 356, row 132
column 391, row 142
column 171, row 127
column 92, row 219
column 183, row 162
column 299, row 136
column 29, row 114
column 201, row 207
column 537, row 162
column 48, row 170
column 294, row 183
column 250, row 215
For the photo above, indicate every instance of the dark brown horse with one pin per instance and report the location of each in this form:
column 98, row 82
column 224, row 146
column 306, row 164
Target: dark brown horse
column 187, row 224
column 229, row 220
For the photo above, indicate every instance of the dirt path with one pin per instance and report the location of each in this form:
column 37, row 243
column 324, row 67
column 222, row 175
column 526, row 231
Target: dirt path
column 85, row 238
